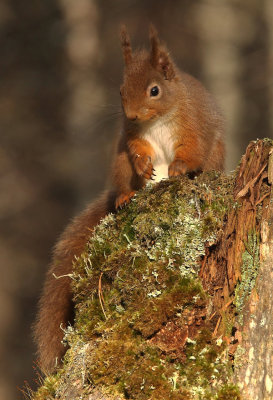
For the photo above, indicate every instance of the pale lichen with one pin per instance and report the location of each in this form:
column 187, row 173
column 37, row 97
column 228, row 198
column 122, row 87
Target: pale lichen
column 249, row 272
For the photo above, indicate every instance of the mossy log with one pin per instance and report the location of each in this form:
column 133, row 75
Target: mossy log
column 173, row 294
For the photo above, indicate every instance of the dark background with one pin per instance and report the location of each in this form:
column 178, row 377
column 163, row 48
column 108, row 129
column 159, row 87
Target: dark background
column 60, row 70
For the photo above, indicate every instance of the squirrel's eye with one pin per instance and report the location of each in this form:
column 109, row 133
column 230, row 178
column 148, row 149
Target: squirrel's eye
column 154, row 91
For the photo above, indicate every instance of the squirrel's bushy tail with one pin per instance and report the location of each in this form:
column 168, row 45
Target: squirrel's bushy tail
column 55, row 307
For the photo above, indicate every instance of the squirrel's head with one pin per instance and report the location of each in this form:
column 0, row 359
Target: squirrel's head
column 148, row 89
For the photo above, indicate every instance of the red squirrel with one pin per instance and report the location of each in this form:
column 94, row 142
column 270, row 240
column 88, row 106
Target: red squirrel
column 171, row 126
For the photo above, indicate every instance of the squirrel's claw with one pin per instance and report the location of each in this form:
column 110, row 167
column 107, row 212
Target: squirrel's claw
column 123, row 199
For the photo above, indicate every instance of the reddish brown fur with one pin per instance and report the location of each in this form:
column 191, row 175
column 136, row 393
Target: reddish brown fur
column 197, row 131
column 197, row 124
column 125, row 45
column 55, row 307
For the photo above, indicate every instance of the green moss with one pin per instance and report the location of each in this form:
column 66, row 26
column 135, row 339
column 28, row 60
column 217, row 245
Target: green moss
column 47, row 390
column 139, row 370
column 228, row 319
column 139, row 276
column 228, row 392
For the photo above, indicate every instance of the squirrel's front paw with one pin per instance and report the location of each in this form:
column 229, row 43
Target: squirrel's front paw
column 123, row 199
column 143, row 166
column 177, row 167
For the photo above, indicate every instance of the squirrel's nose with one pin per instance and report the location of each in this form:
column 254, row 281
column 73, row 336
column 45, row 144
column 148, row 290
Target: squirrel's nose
column 132, row 116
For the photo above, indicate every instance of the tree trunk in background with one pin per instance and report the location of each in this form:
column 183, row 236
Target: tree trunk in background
column 219, row 30
column 269, row 61
column 236, row 66
column 33, row 185
column 254, row 80
column 85, row 100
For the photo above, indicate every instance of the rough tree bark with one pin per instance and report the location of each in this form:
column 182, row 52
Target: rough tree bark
column 146, row 328
column 256, row 370
column 249, row 231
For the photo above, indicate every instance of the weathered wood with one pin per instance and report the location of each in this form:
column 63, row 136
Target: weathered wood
column 223, row 268
column 255, row 372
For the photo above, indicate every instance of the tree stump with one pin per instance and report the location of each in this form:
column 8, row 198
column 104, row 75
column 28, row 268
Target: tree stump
column 173, row 294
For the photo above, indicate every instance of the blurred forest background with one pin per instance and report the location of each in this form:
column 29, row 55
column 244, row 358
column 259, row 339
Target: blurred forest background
column 61, row 67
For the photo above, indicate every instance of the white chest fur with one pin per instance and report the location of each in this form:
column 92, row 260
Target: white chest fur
column 159, row 135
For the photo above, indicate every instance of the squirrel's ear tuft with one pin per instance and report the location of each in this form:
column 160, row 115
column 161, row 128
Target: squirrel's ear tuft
column 125, row 45
column 159, row 57
column 155, row 43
